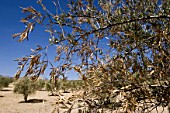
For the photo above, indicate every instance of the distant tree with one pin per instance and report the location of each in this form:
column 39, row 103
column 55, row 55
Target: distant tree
column 53, row 87
column 122, row 47
column 49, row 87
column 65, row 86
column 25, row 86
column 74, row 85
column 5, row 81
column 41, row 84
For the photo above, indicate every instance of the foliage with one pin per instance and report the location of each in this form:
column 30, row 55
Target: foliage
column 64, row 85
column 41, row 84
column 123, row 47
column 53, row 87
column 5, row 81
column 75, row 85
column 49, row 87
column 71, row 85
column 25, row 86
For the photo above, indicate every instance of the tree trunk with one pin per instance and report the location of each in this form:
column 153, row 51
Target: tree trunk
column 25, row 97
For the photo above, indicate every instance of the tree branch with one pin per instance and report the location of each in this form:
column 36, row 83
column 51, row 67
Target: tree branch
column 125, row 22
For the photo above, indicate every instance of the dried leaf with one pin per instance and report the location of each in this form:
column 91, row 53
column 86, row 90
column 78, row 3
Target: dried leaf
column 151, row 72
column 23, row 20
column 57, row 58
column 34, row 78
column 15, row 35
column 24, row 35
column 77, row 69
column 31, row 27
column 43, row 69
column 39, row 48
column 31, row 10
column 32, row 50
column 17, row 75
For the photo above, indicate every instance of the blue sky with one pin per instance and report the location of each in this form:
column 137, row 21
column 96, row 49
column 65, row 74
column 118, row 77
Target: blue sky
column 10, row 49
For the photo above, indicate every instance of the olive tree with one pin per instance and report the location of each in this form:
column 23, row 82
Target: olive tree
column 49, row 87
column 25, row 86
column 41, row 84
column 5, row 81
column 53, row 86
column 123, row 47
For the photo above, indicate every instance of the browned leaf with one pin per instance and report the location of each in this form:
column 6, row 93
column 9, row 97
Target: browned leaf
column 34, row 78
column 15, row 35
column 43, row 69
column 39, row 48
column 24, row 35
column 17, row 75
column 30, row 9
column 57, row 58
column 24, row 20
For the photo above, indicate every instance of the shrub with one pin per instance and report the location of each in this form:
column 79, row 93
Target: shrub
column 26, row 87
column 49, row 87
column 66, row 85
column 5, row 81
column 72, row 85
column 41, row 84
column 53, row 87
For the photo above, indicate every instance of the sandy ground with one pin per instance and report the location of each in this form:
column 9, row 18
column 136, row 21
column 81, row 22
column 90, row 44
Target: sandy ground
column 11, row 103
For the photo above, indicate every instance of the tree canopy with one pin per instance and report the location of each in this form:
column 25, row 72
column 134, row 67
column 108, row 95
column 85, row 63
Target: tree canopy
column 26, row 87
column 120, row 48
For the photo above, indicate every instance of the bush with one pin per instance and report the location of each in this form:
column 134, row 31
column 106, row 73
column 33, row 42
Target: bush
column 66, row 85
column 5, row 81
column 53, row 87
column 26, row 87
column 72, row 85
column 41, row 84
column 49, row 87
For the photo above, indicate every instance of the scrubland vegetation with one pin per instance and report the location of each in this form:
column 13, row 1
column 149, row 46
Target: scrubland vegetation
column 26, row 86
column 5, row 81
